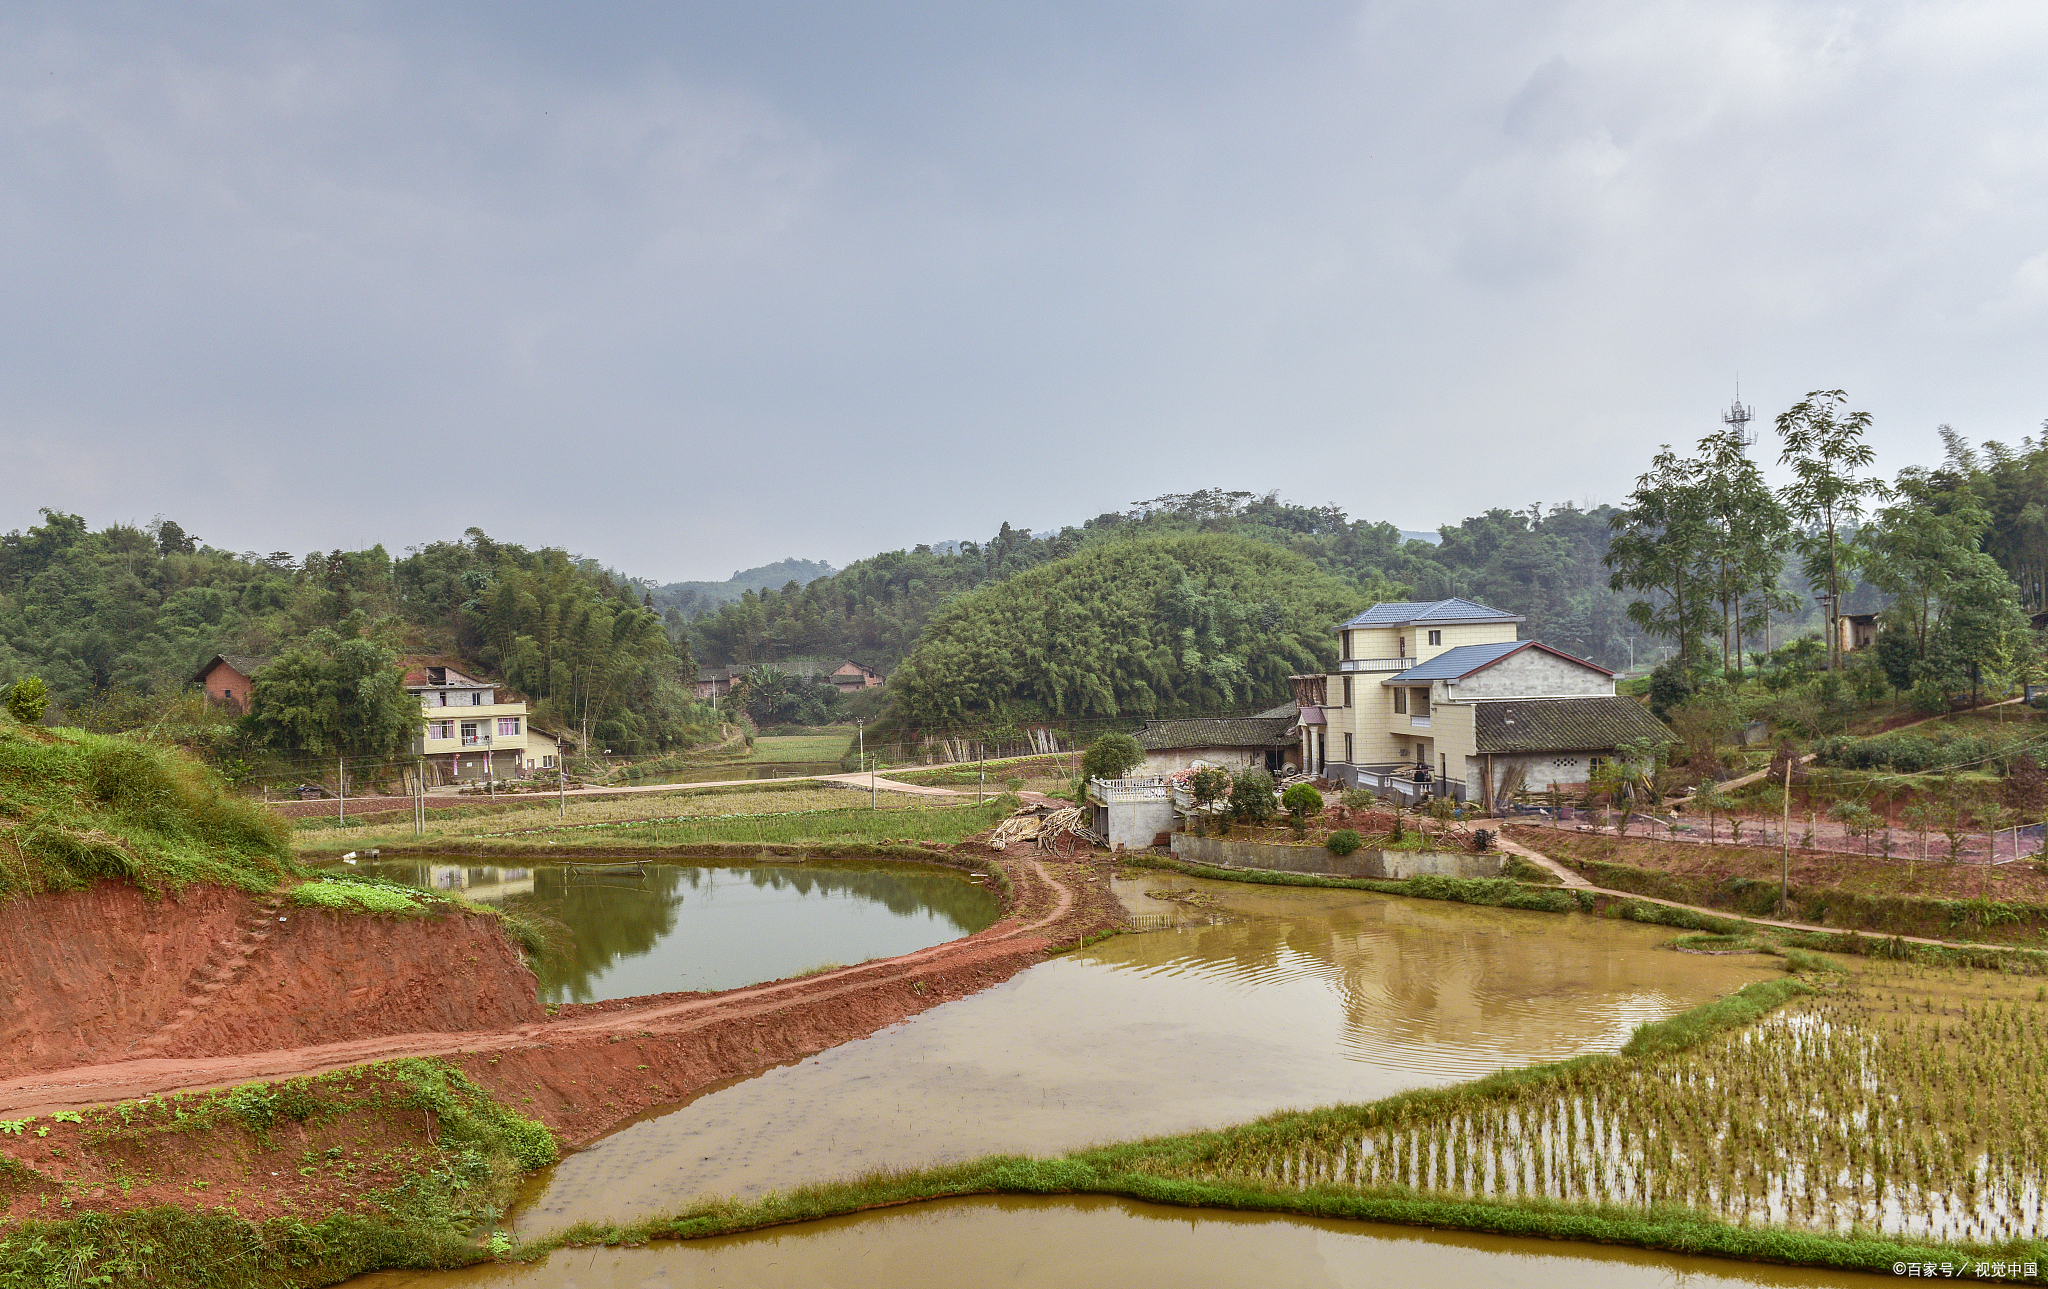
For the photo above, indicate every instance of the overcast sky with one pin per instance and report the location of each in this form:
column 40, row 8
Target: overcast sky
column 690, row 287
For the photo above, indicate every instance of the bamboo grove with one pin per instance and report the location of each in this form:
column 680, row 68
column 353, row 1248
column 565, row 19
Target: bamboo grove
column 1910, row 1103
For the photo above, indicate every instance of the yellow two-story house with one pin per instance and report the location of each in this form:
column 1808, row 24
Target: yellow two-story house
column 470, row 734
column 1443, row 698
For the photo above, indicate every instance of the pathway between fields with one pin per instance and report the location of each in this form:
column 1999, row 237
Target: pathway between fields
column 1576, row 882
column 51, row 1090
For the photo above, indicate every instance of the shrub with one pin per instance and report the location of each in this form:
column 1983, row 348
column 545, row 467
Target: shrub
column 1300, row 801
column 1251, row 797
column 1343, row 842
column 28, row 700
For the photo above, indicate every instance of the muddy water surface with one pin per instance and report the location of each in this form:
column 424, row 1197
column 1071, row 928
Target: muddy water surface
column 1090, row 1243
column 693, row 926
column 1265, row 998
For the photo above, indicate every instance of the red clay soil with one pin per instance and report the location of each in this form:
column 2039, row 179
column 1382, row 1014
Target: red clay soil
column 583, row 1071
column 1811, row 869
column 586, row 1069
column 96, row 975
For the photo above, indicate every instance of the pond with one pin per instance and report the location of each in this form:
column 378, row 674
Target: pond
column 1096, row 1243
column 710, row 926
column 1256, row 998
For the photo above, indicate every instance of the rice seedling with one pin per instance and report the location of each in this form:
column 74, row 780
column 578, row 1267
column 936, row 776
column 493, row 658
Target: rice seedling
column 1911, row 1102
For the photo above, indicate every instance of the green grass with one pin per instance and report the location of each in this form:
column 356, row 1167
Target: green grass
column 937, row 824
column 1498, row 892
column 799, row 747
column 86, row 806
column 356, row 897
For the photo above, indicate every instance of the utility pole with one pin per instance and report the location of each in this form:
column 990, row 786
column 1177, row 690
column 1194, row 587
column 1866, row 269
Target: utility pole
column 561, row 783
column 981, row 773
column 341, row 789
column 1785, row 840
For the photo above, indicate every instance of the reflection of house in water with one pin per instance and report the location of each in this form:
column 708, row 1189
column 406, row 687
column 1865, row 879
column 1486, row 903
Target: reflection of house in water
column 480, row 883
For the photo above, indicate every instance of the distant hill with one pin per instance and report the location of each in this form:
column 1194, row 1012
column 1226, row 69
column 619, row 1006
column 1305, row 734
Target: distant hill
column 696, row 598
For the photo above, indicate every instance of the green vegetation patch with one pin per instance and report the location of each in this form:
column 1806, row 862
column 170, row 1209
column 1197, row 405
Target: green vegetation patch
column 86, row 806
column 1498, row 892
column 357, row 897
column 423, row 1153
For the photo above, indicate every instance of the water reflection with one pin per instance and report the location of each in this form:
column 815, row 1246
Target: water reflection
column 697, row 926
column 1269, row 998
column 1091, row 1243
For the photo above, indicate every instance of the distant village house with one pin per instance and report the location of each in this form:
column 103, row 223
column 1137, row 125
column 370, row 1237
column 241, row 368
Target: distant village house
column 227, row 677
column 843, row 674
column 473, row 731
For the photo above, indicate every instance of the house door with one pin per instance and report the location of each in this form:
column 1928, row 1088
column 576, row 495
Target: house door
column 1274, row 760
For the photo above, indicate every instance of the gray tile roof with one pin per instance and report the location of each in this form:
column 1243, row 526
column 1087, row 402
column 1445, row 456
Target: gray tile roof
column 1453, row 664
column 1400, row 613
column 1562, row 724
column 1208, row 731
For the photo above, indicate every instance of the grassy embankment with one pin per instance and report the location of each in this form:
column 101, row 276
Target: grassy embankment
column 1733, row 1129
column 77, row 806
column 302, row 1182
column 770, row 814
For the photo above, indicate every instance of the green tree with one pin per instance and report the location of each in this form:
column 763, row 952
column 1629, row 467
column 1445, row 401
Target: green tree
column 1251, row 797
column 334, row 696
column 1825, row 448
column 28, row 699
column 1746, row 532
column 1111, row 756
column 1661, row 539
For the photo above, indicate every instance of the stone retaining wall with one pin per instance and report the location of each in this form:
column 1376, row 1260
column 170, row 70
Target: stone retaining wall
column 1391, row 865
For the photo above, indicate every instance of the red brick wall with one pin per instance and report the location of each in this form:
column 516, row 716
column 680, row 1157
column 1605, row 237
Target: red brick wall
column 225, row 684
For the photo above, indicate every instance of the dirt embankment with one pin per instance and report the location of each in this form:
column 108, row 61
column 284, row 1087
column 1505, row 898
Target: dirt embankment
column 583, row 1072
column 113, row 972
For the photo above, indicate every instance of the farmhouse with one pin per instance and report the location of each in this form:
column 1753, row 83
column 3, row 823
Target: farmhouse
column 474, row 731
column 227, row 677
column 843, row 674
column 1264, row 741
column 1444, row 699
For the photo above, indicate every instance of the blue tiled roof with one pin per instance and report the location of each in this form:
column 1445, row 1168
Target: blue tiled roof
column 1399, row 613
column 1454, row 663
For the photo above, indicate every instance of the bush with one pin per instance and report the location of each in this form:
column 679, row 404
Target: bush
column 1343, row 842
column 1251, row 797
column 28, row 700
column 1300, row 801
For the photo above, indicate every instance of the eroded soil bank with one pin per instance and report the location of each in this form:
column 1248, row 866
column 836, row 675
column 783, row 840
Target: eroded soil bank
column 114, row 972
column 581, row 1072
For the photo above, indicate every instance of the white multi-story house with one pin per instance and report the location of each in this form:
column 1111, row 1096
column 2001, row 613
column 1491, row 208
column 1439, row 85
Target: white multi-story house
column 1443, row 698
column 470, row 734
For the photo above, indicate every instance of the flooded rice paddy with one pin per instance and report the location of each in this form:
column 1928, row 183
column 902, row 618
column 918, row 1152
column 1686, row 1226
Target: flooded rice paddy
column 1094, row 1243
column 701, row 926
column 1250, row 1000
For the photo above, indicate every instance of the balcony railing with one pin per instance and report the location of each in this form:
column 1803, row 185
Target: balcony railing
column 1375, row 664
column 1139, row 788
column 1418, row 722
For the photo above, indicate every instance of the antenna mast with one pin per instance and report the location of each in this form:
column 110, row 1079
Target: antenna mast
column 1737, row 418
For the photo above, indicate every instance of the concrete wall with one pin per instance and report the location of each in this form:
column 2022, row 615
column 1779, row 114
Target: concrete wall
column 1132, row 825
column 1533, row 672
column 1174, row 759
column 1392, row 865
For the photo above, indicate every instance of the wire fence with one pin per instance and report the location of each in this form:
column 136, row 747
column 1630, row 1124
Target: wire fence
column 1811, row 832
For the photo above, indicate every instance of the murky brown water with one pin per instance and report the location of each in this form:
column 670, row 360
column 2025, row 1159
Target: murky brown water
column 1276, row 997
column 1086, row 1242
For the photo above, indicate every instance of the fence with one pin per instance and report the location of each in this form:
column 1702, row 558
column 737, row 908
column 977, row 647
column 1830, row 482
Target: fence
column 1811, row 832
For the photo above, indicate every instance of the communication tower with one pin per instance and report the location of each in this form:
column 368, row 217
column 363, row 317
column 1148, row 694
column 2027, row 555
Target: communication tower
column 1737, row 418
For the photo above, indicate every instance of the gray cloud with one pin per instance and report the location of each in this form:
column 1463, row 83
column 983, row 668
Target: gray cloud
column 691, row 287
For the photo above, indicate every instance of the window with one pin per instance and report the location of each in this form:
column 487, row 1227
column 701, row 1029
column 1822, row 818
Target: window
column 1347, row 749
column 476, row 698
column 1594, row 766
column 547, row 763
column 1420, row 703
column 1400, row 646
column 1400, row 702
column 508, row 726
column 1344, row 637
column 1347, row 697
column 440, row 729
column 1436, row 637
column 470, row 737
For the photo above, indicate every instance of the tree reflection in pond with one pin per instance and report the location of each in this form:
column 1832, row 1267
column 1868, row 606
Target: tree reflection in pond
column 703, row 926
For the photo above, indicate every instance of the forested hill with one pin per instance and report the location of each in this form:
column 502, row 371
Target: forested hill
column 121, row 617
column 1141, row 624
column 1544, row 565
column 693, row 599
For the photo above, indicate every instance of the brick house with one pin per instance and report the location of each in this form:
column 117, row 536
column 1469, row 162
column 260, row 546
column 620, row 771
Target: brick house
column 227, row 678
